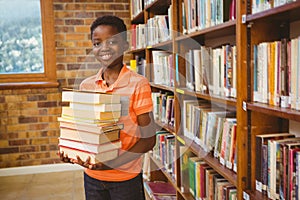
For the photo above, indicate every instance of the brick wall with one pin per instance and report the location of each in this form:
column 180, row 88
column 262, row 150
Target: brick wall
column 28, row 125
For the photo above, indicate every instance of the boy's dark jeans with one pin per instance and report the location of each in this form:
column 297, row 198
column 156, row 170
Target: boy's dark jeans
column 105, row 190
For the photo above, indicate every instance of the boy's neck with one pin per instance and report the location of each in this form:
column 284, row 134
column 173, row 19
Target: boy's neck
column 110, row 74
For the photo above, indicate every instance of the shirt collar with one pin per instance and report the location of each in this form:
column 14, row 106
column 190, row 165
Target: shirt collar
column 122, row 80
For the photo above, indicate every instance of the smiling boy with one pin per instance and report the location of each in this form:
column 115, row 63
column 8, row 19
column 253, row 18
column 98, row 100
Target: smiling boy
column 119, row 178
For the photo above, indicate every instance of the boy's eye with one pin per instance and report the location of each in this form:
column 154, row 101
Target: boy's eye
column 97, row 44
column 112, row 42
column 107, row 43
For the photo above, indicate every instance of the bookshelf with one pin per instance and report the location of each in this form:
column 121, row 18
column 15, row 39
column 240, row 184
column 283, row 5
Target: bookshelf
column 253, row 118
column 268, row 25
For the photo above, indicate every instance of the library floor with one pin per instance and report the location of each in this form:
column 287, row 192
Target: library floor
column 44, row 182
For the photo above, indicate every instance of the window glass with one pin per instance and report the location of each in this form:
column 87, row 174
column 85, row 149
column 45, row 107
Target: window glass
column 21, row 45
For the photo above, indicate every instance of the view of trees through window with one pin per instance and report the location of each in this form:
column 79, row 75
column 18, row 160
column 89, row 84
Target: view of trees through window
column 21, row 46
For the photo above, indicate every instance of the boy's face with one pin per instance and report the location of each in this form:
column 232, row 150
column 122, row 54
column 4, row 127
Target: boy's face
column 108, row 46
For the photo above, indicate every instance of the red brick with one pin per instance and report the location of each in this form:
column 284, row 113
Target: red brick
column 26, row 120
column 74, row 22
column 39, row 141
column 29, row 149
column 19, row 142
column 9, row 150
column 64, row 29
column 47, row 104
column 39, row 97
column 38, row 126
column 84, row 14
column 2, row 99
column 43, row 111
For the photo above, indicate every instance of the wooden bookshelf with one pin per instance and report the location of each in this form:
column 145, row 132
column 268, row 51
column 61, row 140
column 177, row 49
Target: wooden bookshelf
column 253, row 118
column 260, row 118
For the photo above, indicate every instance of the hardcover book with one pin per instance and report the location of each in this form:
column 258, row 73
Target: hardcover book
column 89, row 137
column 94, row 127
column 90, row 114
column 159, row 188
column 89, row 97
column 94, row 148
column 94, row 158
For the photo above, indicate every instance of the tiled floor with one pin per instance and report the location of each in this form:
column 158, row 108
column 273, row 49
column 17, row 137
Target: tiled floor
column 45, row 182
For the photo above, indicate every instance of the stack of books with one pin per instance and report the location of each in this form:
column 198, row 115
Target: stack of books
column 89, row 125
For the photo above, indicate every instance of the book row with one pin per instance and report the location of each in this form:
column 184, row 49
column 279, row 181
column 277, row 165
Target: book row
column 163, row 68
column 213, row 129
column 136, row 7
column 154, row 31
column 276, row 73
column 163, row 108
column 200, row 14
column 259, row 6
column 277, row 169
column 202, row 181
column 212, row 70
column 164, row 151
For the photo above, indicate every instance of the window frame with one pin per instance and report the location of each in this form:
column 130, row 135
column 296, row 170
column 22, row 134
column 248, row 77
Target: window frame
column 48, row 77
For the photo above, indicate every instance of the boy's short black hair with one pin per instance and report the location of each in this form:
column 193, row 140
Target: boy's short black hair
column 111, row 21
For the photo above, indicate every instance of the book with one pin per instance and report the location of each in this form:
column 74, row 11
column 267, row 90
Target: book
column 89, row 137
column 94, row 127
column 89, row 97
column 163, row 197
column 90, row 147
column 96, row 107
column 90, row 114
column 192, row 178
column 185, row 153
column 94, row 158
column 91, row 121
column 199, row 179
column 209, row 173
column 290, row 151
column 159, row 188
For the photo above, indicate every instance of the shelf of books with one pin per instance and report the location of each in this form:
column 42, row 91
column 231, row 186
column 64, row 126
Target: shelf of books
column 271, row 33
column 190, row 59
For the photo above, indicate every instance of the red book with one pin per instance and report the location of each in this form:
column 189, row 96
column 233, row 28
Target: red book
column 232, row 11
column 159, row 188
column 291, row 173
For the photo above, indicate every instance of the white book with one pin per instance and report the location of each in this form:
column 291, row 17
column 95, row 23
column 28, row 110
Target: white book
column 83, row 155
column 89, row 97
column 89, row 137
column 198, row 70
column 96, row 107
column 90, row 147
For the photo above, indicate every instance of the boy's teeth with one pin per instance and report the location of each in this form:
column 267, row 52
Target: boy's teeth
column 107, row 56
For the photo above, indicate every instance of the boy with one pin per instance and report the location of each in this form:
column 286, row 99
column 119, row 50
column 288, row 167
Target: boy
column 119, row 178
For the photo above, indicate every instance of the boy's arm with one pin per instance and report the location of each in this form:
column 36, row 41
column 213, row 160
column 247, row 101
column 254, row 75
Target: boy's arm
column 146, row 142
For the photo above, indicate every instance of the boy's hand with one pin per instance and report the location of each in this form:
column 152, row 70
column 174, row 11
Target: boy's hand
column 89, row 165
column 64, row 157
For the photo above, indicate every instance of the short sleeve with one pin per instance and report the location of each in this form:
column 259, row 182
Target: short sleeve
column 142, row 100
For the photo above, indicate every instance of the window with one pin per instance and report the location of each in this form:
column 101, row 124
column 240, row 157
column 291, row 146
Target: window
column 27, row 51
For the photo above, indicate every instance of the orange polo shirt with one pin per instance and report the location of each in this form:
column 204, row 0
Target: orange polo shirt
column 136, row 99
